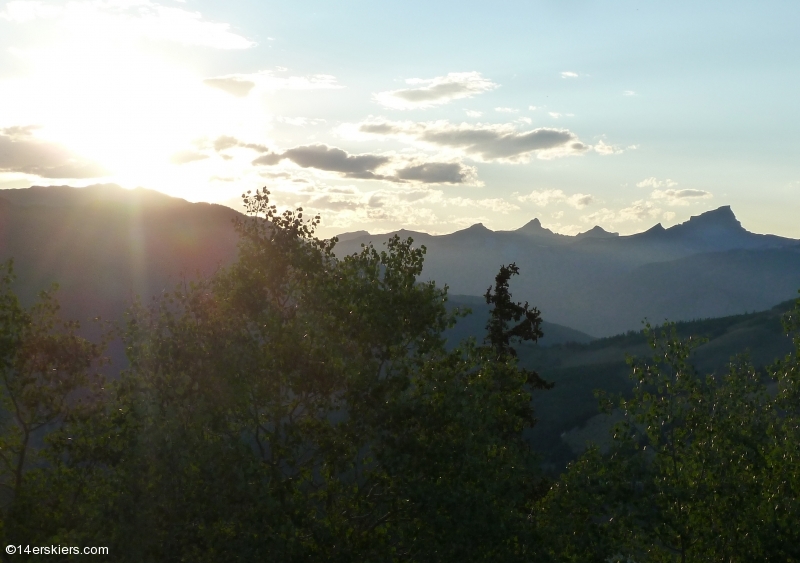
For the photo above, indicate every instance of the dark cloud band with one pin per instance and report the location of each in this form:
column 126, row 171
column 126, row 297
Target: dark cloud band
column 486, row 142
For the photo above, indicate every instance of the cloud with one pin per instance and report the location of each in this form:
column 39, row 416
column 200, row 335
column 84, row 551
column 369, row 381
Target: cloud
column 579, row 201
column 570, row 230
column 184, row 157
column 638, row 211
column 234, row 86
column 603, row 215
column 21, row 151
column 300, row 121
column 435, row 91
column 436, row 173
column 506, row 110
column 240, row 85
column 482, row 142
column 680, row 197
column 473, row 113
column 652, row 182
column 569, row 74
column 546, row 197
column 225, row 142
column 629, row 93
column 342, row 206
column 494, row 204
column 331, row 159
column 605, row 150
column 139, row 18
column 366, row 166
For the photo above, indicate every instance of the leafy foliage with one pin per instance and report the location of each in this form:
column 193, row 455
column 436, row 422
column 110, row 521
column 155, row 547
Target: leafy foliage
column 46, row 379
column 297, row 407
column 701, row 468
column 300, row 407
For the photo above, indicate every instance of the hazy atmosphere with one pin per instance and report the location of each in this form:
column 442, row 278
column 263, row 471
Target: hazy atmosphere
column 399, row 282
column 381, row 116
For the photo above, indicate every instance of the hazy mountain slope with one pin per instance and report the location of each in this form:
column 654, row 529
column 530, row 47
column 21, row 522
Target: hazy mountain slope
column 568, row 413
column 474, row 324
column 602, row 284
column 106, row 244
column 699, row 286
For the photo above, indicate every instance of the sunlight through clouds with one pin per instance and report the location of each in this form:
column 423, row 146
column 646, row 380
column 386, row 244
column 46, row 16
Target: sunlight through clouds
column 132, row 18
column 142, row 93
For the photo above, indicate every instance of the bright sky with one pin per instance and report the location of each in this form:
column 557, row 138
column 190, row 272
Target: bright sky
column 426, row 115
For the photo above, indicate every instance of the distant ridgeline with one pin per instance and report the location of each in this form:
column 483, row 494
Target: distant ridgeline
column 104, row 244
column 602, row 284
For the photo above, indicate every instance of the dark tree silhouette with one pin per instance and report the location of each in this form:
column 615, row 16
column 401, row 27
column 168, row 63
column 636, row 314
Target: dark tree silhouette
column 528, row 322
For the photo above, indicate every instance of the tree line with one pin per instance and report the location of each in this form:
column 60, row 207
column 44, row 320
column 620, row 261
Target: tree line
column 301, row 407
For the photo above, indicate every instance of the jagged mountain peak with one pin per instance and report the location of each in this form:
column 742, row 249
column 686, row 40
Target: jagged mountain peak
column 720, row 218
column 597, row 232
column 476, row 228
column 656, row 229
column 534, row 227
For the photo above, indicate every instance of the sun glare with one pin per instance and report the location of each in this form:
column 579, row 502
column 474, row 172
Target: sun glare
column 121, row 101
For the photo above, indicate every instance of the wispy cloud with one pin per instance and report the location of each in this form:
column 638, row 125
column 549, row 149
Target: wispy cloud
column 233, row 85
column 427, row 93
column 680, row 197
column 240, row 85
column 300, row 121
column 638, row 211
column 653, row 182
column 569, row 74
column 473, row 113
column 605, row 149
column 506, row 110
column 21, row 151
column 185, row 157
column 496, row 205
column 544, row 198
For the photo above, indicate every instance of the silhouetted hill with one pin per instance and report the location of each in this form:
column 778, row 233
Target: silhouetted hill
column 104, row 244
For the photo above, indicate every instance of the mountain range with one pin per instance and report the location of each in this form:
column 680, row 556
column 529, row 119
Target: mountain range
column 603, row 284
column 104, row 244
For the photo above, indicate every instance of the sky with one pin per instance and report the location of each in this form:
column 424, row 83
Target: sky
column 430, row 116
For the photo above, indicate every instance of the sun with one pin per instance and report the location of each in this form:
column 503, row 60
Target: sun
column 129, row 104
